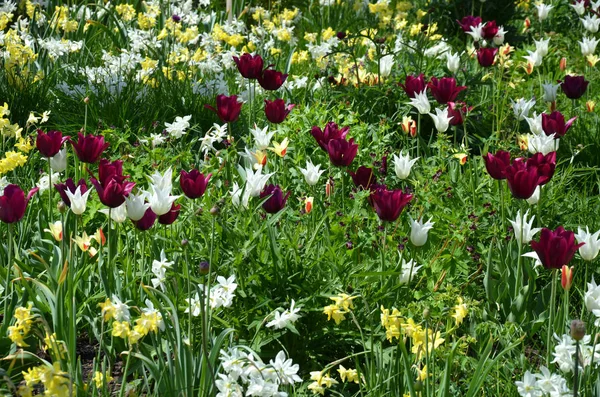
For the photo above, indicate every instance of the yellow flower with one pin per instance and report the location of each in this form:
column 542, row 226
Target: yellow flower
column 146, row 21
column 415, row 29
column 83, row 242
column 327, row 33
column 56, row 230
column 421, row 14
column 261, row 158
column 120, row 329
column 100, row 378
column 460, row 311
column 55, row 345
column 422, row 373
column 125, row 11
column 280, row 148
column 350, row 374
column 592, row 60
column 108, row 309
column 24, row 145
column 315, row 388
column 523, row 142
column 334, row 312
column 590, row 106
column 344, row 301
column 462, row 158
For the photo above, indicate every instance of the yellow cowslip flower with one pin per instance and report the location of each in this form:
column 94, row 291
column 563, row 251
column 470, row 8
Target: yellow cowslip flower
column 289, row 15
column 334, row 312
column 55, row 345
column 145, row 21
column 125, row 11
column 134, row 336
column 421, row 14
column 351, row 375
column 24, row 145
column 415, row 29
column 55, row 381
column 5, row 19
column 327, row 33
column 120, row 329
column 344, row 301
column 422, row 343
column 16, row 158
column 309, row 37
column 280, row 148
column 4, row 110
column 56, row 230
column 460, row 311
column 259, row 14
column 149, row 64
column 235, row 40
column 284, row 34
column 100, row 378
column 316, row 388
column 108, row 309
column 17, row 335
column 148, row 322
column 422, row 373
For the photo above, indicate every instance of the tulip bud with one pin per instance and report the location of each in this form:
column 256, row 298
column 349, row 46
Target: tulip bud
column 214, row 211
column 563, row 64
column 418, row 386
column 590, row 106
column 61, row 207
column 308, row 204
column 566, row 278
column 204, row 267
column 86, row 100
column 184, row 242
column 577, row 329
column 413, row 129
column 328, row 188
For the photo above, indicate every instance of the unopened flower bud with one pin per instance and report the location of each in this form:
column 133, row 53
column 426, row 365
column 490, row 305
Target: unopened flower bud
column 577, row 329
column 184, row 242
column 86, row 100
column 426, row 313
column 418, row 386
column 563, row 64
column 566, row 277
column 204, row 267
column 214, row 211
column 61, row 207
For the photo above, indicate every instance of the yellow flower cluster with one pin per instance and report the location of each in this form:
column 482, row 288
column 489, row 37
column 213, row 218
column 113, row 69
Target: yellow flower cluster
column 126, row 12
column 60, row 20
column 343, row 304
column 18, row 332
column 460, row 311
column 55, row 345
column 55, row 381
column 421, row 341
column 321, row 382
column 100, row 378
column 149, row 321
column 5, row 18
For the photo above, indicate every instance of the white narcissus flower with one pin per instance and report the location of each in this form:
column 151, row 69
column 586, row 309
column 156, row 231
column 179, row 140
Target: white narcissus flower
column 528, row 386
column 385, row 65
column 541, row 46
column 591, row 23
column 159, row 268
column 419, row 231
column 522, row 227
column 543, row 10
column 542, row 143
column 589, row 250
column 535, row 124
column 403, row 165
column 588, row 46
column 452, row 62
column 286, row 370
column 136, row 206
column 45, row 180
column 177, row 128
column 409, row 270
column 255, row 181
column 58, row 162
column 421, row 102
column 550, row 91
column 78, row 200
column 311, row 173
column 262, row 138
column 521, row 108
column 441, row 119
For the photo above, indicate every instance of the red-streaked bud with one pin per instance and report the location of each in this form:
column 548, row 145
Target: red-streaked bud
column 308, row 204
column 563, row 64
column 566, row 278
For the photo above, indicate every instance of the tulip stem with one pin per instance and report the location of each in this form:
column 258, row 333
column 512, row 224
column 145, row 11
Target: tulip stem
column 418, row 132
column 576, row 369
column 551, row 322
column 7, row 285
column 49, row 192
column 565, row 314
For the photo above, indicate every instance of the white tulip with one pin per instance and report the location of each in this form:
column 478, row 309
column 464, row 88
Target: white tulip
column 58, row 162
column 403, row 165
column 419, row 231
column 452, row 62
column 522, row 227
column 311, row 173
column 421, row 102
column 409, row 270
column 441, row 119
column 78, row 200
column 589, row 250
column 136, row 206
column 385, row 65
